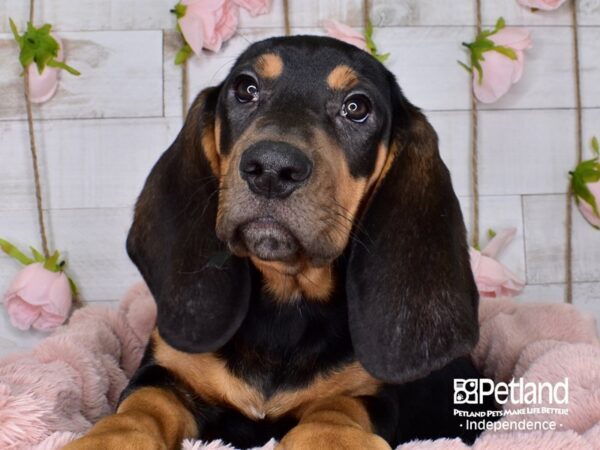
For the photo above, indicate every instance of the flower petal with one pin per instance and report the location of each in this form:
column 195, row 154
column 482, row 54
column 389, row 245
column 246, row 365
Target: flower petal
column 547, row 5
column 192, row 29
column 37, row 289
column 512, row 37
column 345, row 33
column 586, row 209
column 497, row 77
column 21, row 313
column 498, row 242
column 255, row 7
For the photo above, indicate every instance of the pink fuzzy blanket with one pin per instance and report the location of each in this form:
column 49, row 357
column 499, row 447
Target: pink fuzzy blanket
column 54, row 393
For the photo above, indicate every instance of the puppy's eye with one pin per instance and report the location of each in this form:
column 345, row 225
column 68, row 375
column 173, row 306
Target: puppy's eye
column 246, row 89
column 356, row 108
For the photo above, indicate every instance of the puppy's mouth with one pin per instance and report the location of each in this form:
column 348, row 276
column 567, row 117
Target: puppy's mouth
column 268, row 240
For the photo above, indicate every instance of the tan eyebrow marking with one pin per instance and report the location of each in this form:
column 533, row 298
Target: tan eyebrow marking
column 342, row 77
column 269, row 65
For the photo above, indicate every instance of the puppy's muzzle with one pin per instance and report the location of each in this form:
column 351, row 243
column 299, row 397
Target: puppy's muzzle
column 274, row 169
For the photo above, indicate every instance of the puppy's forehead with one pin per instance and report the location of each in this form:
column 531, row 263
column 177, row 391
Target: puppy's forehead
column 309, row 60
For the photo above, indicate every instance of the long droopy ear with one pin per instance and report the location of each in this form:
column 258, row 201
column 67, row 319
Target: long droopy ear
column 411, row 295
column 201, row 290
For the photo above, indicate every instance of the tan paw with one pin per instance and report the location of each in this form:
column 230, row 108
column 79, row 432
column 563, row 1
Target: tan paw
column 320, row 436
column 117, row 440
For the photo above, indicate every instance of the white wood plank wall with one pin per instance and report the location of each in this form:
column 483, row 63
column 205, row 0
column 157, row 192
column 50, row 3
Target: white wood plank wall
column 102, row 132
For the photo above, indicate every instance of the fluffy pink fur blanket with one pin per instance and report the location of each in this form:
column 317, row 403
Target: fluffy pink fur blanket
column 53, row 394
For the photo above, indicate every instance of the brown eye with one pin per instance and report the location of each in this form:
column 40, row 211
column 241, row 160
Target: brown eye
column 246, row 89
column 356, row 108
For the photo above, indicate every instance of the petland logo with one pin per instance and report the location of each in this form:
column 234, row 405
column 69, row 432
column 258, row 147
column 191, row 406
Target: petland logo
column 472, row 391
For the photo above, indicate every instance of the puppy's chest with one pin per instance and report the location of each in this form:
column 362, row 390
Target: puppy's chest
column 277, row 364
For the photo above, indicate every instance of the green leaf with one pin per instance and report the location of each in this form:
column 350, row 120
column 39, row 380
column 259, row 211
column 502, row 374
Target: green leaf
column 26, row 56
column 14, row 252
column 179, row 10
column 382, row 58
column 74, row 289
column 15, row 32
column 479, row 70
column 37, row 255
column 509, row 52
column 500, row 23
column 371, row 46
column 583, row 193
column 596, row 147
column 52, row 262
column 491, row 233
column 483, row 44
column 62, row 65
column 183, row 54
column 369, row 38
column 463, row 65
column 39, row 47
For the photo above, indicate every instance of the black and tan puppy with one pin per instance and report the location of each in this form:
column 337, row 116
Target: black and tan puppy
column 308, row 257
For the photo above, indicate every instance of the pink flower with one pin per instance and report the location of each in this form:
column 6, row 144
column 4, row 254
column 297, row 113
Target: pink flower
column 345, row 33
column 43, row 86
column 493, row 279
column 38, row 297
column 499, row 71
column 586, row 209
column 255, row 7
column 547, row 5
column 208, row 23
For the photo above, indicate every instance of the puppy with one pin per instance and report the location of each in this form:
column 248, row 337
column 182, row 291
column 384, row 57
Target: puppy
column 308, row 258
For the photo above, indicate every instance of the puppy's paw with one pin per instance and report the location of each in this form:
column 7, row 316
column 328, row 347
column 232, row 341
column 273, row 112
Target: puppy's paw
column 323, row 436
column 117, row 440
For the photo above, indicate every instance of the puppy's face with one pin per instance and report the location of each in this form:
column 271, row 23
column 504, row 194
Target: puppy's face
column 302, row 129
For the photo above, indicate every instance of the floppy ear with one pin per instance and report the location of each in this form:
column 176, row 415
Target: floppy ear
column 201, row 290
column 411, row 295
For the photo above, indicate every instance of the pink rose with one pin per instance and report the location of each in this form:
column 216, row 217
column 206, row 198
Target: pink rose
column 345, row 33
column 493, row 279
column 586, row 209
column 547, row 5
column 255, row 7
column 585, row 183
column 499, row 71
column 208, row 23
column 43, row 86
column 38, row 297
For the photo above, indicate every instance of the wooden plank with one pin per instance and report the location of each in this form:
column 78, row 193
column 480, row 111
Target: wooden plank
column 84, row 163
column 544, row 217
column 526, row 152
column 498, row 213
column 588, row 12
column 590, row 66
column 92, row 241
column 121, row 77
column 521, row 152
column 454, row 135
column 422, row 13
column 91, row 15
column 424, row 62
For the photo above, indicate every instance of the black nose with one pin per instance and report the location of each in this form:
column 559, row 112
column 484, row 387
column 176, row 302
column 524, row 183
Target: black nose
column 274, row 169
